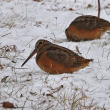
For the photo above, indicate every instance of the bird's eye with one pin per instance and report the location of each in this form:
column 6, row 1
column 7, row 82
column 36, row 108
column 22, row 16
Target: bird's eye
column 40, row 42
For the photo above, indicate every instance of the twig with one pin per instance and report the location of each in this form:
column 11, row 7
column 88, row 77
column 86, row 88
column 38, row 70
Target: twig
column 12, row 97
column 77, row 49
column 25, row 103
column 98, row 8
column 49, row 107
column 5, row 35
column 30, row 41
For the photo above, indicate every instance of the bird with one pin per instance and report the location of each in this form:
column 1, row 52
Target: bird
column 86, row 27
column 55, row 59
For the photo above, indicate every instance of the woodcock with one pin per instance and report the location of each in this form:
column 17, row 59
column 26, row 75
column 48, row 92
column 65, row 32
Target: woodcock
column 87, row 28
column 55, row 59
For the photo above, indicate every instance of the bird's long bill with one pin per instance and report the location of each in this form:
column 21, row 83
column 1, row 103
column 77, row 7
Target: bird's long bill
column 34, row 51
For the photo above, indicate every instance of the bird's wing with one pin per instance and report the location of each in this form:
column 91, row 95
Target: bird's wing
column 65, row 57
column 89, row 22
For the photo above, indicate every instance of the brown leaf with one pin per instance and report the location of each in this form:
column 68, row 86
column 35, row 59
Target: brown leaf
column 9, row 48
column 28, row 80
column 33, row 93
column 13, row 61
column 71, row 9
column 40, row 22
column 43, row 94
column 76, row 88
column 4, row 79
column 8, row 105
column 89, row 6
column 50, row 95
column 1, row 67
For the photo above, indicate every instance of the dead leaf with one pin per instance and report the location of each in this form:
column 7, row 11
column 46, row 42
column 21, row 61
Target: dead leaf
column 28, row 80
column 50, row 95
column 33, row 93
column 13, row 61
column 1, row 67
column 89, row 6
column 4, row 79
column 76, row 88
column 58, row 88
column 40, row 22
column 8, row 105
column 43, row 93
column 9, row 48
column 71, row 9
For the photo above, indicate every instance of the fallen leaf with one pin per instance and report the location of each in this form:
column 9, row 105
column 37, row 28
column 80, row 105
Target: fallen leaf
column 1, row 67
column 89, row 6
column 33, row 93
column 8, row 105
column 4, row 79
column 71, row 9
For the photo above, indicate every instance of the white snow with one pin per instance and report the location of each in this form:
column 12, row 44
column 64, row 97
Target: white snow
column 23, row 23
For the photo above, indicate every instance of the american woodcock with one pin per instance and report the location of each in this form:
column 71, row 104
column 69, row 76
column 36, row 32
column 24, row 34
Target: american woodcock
column 87, row 28
column 55, row 59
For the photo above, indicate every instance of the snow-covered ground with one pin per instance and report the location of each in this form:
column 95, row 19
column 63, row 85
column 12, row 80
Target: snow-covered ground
column 22, row 24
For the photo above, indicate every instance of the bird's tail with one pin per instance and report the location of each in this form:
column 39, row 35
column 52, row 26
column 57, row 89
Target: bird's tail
column 91, row 60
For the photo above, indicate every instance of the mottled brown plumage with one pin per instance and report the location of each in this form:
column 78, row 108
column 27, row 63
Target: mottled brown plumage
column 87, row 28
column 55, row 59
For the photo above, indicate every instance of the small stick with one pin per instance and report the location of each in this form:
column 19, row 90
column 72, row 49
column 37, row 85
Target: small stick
column 5, row 34
column 98, row 8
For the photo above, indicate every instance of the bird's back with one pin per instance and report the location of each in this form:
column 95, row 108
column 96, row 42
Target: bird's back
column 89, row 22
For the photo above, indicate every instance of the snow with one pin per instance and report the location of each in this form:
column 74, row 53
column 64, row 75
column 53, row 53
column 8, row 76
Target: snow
column 23, row 23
